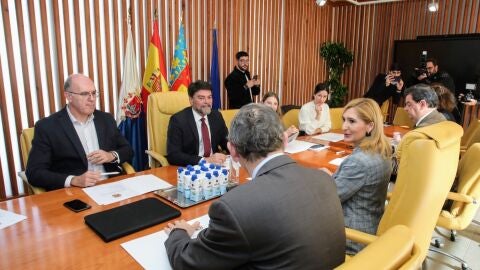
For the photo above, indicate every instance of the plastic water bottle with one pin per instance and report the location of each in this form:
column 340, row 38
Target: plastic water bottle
column 215, row 183
column 223, row 181
column 207, row 186
column 195, row 193
column 180, row 174
column 187, row 179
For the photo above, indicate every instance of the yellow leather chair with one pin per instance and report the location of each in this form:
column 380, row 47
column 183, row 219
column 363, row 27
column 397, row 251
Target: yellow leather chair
column 384, row 108
column 427, row 167
column 161, row 106
column 465, row 200
column 395, row 249
column 228, row 116
column 26, row 144
column 336, row 117
column 471, row 136
column 291, row 118
column 401, row 118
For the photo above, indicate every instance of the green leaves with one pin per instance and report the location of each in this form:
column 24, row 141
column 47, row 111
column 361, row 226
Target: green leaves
column 338, row 58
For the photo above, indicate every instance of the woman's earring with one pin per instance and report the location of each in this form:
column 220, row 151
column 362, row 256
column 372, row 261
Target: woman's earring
column 369, row 133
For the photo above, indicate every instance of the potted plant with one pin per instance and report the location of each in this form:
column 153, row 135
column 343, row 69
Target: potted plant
column 338, row 58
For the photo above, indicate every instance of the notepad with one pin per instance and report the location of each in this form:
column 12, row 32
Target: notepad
column 126, row 219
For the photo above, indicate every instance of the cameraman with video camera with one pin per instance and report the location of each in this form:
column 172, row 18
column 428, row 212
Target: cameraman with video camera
column 431, row 74
column 387, row 85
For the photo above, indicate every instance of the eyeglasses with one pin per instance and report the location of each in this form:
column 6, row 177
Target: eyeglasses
column 93, row 94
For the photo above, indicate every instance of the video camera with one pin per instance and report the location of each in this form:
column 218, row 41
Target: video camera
column 423, row 64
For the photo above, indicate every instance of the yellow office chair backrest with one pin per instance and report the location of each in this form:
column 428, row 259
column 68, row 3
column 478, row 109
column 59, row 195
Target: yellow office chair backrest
column 464, row 207
column 336, row 117
column 472, row 135
column 427, row 167
column 384, row 108
column 161, row 106
column 291, row 118
column 25, row 146
column 401, row 118
column 228, row 116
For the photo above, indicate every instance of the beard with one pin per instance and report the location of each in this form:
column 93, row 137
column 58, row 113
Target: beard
column 204, row 110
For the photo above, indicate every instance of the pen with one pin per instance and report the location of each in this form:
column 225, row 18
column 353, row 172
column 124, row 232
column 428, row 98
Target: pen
column 109, row 173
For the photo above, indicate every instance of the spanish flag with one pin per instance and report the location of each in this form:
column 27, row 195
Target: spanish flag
column 155, row 76
column 180, row 71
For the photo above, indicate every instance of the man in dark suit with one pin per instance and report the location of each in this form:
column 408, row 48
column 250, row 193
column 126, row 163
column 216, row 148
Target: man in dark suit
column 241, row 88
column 421, row 103
column 75, row 146
column 287, row 217
column 190, row 138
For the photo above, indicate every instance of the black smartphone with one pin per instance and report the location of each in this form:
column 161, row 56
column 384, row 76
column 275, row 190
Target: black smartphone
column 77, row 205
column 255, row 77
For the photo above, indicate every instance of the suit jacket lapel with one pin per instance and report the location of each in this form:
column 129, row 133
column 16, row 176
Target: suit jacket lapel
column 72, row 135
column 193, row 128
column 100, row 132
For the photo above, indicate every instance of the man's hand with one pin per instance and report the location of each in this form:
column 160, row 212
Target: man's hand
column 182, row 224
column 422, row 77
column 217, row 158
column 400, row 85
column 89, row 178
column 291, row 130
column 250, row 83
column 389, row 79
column 100, row 157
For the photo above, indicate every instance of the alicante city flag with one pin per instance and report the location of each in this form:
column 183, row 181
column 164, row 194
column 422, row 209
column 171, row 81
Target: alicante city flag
column 130, row 118
column 180, row 69
column 155, row 76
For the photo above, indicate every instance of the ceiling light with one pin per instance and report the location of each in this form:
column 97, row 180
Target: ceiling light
column 321, row 2
column 433, row 7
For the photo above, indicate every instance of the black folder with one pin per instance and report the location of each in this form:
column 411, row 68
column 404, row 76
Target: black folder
column 126, row 219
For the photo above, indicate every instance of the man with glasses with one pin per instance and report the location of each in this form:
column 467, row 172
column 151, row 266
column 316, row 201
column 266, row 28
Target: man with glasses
column 241, row 88
column 79, row 145
column 434, row 75
column 421, row 103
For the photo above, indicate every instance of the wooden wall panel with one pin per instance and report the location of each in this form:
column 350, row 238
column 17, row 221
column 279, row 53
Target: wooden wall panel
column 372, row 30
column 283, row 38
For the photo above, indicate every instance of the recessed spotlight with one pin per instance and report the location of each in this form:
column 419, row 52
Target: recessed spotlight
column 433, row 7
column 321, row 2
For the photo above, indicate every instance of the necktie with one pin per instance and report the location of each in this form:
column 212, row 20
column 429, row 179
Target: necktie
column 206, row 139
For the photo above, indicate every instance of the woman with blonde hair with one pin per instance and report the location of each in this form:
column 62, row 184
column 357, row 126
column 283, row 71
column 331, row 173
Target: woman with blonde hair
column 362, row 178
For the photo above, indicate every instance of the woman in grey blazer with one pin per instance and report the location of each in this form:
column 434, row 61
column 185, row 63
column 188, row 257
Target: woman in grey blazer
column 362, row 178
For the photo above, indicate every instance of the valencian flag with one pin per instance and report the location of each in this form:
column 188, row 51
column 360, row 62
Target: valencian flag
column 155, row 76
column 215, row 74
column 130, row 118
column 180, row 71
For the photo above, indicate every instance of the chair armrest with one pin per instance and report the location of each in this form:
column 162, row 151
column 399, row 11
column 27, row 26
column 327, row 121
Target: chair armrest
column 391, row 250
column 461, row 197
column 128, row 168
column 360, row 237
column 157, row 157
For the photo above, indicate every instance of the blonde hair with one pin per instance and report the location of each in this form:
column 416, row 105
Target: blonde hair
column 369, row 112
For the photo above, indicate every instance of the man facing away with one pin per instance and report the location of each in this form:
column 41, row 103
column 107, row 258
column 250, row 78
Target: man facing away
column 421, row 103
column 77, row 145
column 241, row 88
column 197, row 132
column 286, row 217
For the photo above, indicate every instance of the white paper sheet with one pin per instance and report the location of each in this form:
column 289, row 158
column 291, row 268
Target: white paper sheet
column 128, row 188
column 9, row 218
column 337, row 161
column 331, row 137
column 297, row 146
column 149, row 251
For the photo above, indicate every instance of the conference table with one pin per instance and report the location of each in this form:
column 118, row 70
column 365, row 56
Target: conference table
column 53, row 237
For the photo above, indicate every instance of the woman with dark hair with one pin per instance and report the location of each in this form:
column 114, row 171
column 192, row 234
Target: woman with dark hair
column 271, row 100
column 314, row 116
column 446, row 101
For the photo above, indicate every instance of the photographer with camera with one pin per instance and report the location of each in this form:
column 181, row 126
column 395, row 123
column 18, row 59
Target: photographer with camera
column 431, row 74
column 387, row 85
